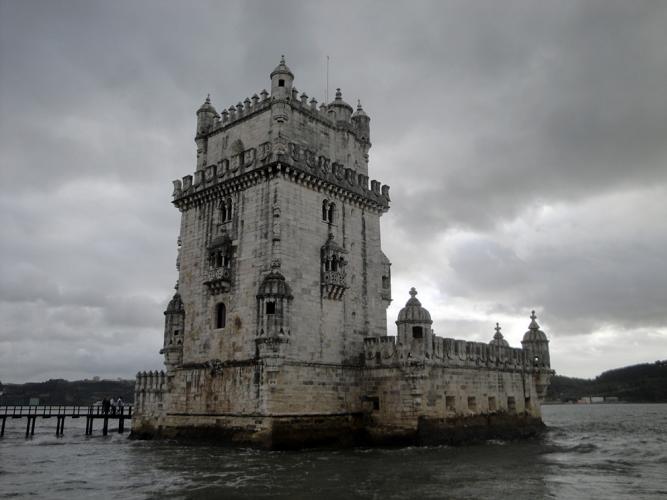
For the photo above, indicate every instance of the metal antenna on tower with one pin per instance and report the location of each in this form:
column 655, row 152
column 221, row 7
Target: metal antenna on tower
column 326, row 96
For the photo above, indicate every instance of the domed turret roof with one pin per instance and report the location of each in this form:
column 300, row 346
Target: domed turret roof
column 282, row 68
column 413, row 312
column 534, row 334
column 498, row 339
column 175, row 304
column 274, row 285
column 331, row 246
column 223, row 240
column 207, row 107
column 338, row 101
column 359, row 113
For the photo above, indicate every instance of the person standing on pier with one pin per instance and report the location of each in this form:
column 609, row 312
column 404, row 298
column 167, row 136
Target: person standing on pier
column 105, row 405
column 119, row 405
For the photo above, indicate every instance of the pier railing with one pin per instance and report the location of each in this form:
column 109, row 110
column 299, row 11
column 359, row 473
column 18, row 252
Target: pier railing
column 61, row 412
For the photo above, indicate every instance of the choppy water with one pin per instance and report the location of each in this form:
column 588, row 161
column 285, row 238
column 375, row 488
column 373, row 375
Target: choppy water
column 590, row 452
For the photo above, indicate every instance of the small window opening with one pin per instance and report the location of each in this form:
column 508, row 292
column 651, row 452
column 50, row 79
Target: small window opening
column 417, row 332
column 281, row 83
column 450, row 403
column 334, row 264
column 511, row 404
column 220, row 315
column 330, row 215
column 324, row 209
column 270, row 308
column 528, row 405
column 385, row 281
column 177, row 333
column 218, row 259
column 226, row 261
column 536, row 361
column 492, row 403
column 472, row 403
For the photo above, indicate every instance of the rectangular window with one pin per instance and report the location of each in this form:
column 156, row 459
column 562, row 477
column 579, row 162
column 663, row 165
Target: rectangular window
column 220, row 315
column 270, row 308
column 472, row 403
column 492, row 403
column 511, row 404
column 417, row 332
column 450, row 403
column 281, row 83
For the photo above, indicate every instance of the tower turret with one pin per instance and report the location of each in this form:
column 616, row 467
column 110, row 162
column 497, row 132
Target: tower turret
column 341, row 110
column 174, row 321
column 498, row 339
column 361, row 122
column 535, row 342
column 206, row 116
column 281, row 80
column 414, row 329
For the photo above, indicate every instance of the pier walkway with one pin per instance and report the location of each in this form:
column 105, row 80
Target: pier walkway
column 60, row 413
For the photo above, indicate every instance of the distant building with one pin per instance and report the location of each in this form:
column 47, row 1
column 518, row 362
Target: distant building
column 277, row 332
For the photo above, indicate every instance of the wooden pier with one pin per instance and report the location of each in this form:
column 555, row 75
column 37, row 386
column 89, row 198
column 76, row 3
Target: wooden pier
column 60, row 413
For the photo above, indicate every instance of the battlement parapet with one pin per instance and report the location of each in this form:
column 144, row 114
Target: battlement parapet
column 149, row 389
column 255, row 104
column 297, row 157
column 151, row 381
column 448, row 352
column 380, row 351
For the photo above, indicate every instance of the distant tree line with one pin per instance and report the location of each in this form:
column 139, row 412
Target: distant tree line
column 645, row 383
column 63, row 392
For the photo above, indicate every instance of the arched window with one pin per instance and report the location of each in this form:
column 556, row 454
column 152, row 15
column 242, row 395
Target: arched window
column 220, row 315
column 225, row 210
column 325, row 210
column 229, row 209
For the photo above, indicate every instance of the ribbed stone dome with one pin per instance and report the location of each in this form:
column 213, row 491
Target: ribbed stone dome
column 207, row 106
column 413, row 312
column 498, row 339
column 274, row 285
column 175, row 304
column 338, row 101
column 359, row 113
column 220, row 241
column 282, row 69
column 534, row 334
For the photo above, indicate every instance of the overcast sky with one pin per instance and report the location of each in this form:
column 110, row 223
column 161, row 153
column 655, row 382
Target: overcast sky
column 525, row 144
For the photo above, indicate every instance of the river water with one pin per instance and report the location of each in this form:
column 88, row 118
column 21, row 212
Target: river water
column 590, row 452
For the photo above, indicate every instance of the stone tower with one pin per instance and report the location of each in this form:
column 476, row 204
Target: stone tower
column 277, row 333
column 281, row 272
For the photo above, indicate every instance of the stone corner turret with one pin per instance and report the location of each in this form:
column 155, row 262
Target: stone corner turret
column 414, row 336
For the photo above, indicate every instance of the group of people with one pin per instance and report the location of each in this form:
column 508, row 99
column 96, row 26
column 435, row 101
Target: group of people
column 112, row 405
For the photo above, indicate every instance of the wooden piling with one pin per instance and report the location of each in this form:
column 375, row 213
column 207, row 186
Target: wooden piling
column 105, row 428
column 2, row 429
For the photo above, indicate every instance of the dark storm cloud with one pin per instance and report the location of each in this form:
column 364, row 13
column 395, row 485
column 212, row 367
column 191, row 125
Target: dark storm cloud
column 483, row 113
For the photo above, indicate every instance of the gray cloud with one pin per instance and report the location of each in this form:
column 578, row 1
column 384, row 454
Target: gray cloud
column 525, row 146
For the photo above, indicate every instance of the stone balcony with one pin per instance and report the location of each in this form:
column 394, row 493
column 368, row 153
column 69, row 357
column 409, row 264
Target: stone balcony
column 219, row 280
